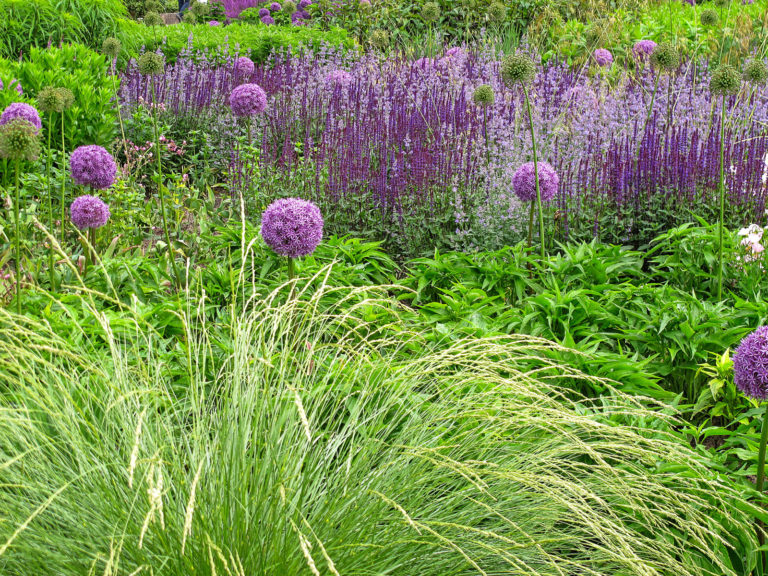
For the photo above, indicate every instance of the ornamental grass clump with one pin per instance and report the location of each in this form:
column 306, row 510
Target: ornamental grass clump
column 725, row 82
column 18, row 143
column 293, row 228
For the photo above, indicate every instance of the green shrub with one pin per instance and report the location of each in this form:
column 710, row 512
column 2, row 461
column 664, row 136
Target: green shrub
column 222, row 41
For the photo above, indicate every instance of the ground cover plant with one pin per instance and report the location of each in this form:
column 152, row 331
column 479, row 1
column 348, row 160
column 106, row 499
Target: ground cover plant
column 383, row 288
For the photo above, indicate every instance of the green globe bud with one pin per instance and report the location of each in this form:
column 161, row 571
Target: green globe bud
column 431, row 12
column 725, row 80
column 111, row 47
column 497, row 12
column 151, row 64
column 380, row 39
column 289, row 7
column 153, row 19
column 484, row 95
column 67, row 98
column 709, row 18
column 756, row 72
column 19, row 141
column 665, row 57
column 517, row 69
column 49, row 100
column 189, row 18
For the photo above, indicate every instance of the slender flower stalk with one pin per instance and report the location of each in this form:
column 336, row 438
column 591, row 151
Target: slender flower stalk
column 536, row 174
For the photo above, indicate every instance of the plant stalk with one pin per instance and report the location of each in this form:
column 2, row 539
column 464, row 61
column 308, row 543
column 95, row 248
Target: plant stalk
column 536, row 173
column 722, row 202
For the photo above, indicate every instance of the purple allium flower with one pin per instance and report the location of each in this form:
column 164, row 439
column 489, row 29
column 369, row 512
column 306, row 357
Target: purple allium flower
column 17, row 83
column 268, row 20
column 247, row 100
column 603, row 57
column 244, row 66
column 338, row 78
column 22, row 111
column 88, row 212
column 92, row 166
column 456, row 52
column 643, row 48
column 263, row 12
column 275, row 7
column 304, row 3
column 292, row 227
column 524, row 182
column 750, row 364
column 214, row 23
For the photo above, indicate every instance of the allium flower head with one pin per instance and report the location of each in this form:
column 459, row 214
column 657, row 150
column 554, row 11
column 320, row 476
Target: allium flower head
column 380, row 39
column 49, row 100
column 275, row 7
column 67, row 98
column 643, row 48
column 92, row 166
column 750, row 365
column 497, row 12
column 709, row 17
column 517, row 69
column 263, row 12
column 268, row 20
column 22, row 111
column 722, row 3
column 244, row 66
column 665, row 57
column 483, row 95
column 153, row 19
column 88, row 212
column 725, row 80
column 214, row 23
column 151, row 64
column 19, row 141
column 111, row 47
column 189, row 17
column 304, row 3
column 338, row 78
column 247, row 100
column 524, row 182
column 292, row 227
column 756, row 72
column 289, row 7
column 603, row 57
column 430, row 12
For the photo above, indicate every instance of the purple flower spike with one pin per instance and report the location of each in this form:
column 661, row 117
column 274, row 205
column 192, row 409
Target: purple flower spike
column 292, row 227
column 524, row 182
column 21, row 111
column 247, row 100
column 338, row 78
column 603, row 57
column 750, row 365
column 93, row 166
column 89, row 212
column 244, row 66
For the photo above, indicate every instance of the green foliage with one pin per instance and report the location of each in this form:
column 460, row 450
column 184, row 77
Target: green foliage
column 220, row 42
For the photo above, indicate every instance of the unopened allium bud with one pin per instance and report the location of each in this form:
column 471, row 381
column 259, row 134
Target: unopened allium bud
column 380, row 39
column 430, row 12
column 725, row 80
column 289, row 7
column 497, row 12
column 709, row 17
column 483, row 95
column 18, row 141
column 153, row 19
column 151, row 64
column 189, row 18
column 67, row 98
column 665, row 57
column 49, row 100
column 517, row 69
column 756, row 72
column 111, row 47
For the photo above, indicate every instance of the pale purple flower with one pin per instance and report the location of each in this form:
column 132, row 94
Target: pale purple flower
column 247, row 100
column 268, row 20
column 275, row 7
column 214, row 23
column 92, row 166
column 304, row 3
column 524, row 182
column 88, row 212
column 244, row 66
column 13, row 82
column 263, row 12
column 338, row 78
column 21, row 111
column 750, row 364
column 292, row 227
column 643, row 48
column 603, row 57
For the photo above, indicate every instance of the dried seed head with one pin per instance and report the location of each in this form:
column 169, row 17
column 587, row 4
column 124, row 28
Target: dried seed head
column 725, row 80
column 665, row 57
column 756, row 72
column 289, row 7
column 497, row 12
column 380, row 39
column 153, row 6
column 484, row 95
column 189, row 18
column 709, row 17
column 19, row 141
column 431, row 12
column 67, row 98
column 153, row 19
column 517, row 69
column 111, row 47
column 151, row 64
column 49, row 100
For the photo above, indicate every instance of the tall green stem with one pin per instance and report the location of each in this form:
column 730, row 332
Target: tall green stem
column 63, row 179
column 160, row 192
column 761, row 561
column 536, row 173
column 16, row 219
column 119, row 114
column 51, row 275
column 291, row 268
column 722, row 202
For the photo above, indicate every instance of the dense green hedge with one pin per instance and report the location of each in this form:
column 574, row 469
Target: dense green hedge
column 219, row 41
column 28, row 23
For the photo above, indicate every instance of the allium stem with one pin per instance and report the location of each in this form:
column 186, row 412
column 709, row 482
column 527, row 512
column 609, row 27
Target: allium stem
column 291, row 268
column 177, row 278
column 16, row 207
column 722, row 201
column 485, row 134
column 117, row 104
column 51, row 275
column 536, row 173
column 63, row 179
column 761, row 561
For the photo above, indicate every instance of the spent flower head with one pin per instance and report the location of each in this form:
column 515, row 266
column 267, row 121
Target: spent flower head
column 111, row 47
column 756, row 72
column 153, row 19
column 430, row 12
column 497, row 12
column 289, row 7
column 189, row 18
column 67, row 98
column 151, row 64
column 19, row 141
column 517, row 69
column 153, row 6
column 709, row 17
column 725, row 80
column 379, row 39
column 50, row 100
column 484, row 95
column 665, row 57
